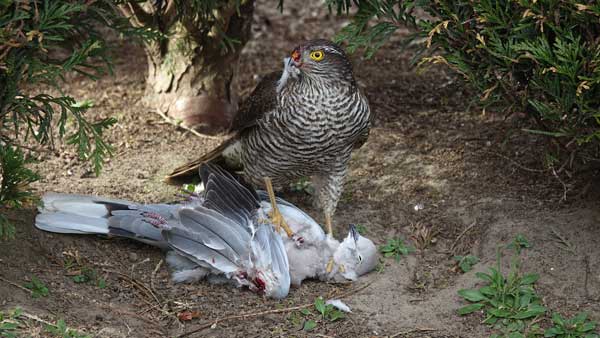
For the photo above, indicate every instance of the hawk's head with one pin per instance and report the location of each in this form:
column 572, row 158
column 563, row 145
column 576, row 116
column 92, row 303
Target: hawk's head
column 319, row 60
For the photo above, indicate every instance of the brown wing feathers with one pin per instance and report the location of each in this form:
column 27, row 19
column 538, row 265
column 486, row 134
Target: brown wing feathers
column 262, row 100
column 190, row 169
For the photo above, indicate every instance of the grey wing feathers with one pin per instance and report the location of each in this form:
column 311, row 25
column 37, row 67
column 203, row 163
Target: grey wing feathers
column 206, row 236
column 225, row 194
column 134, row 221
column 269, row 252
column 133, row 224
column 217, row 228
column 278, row 254
column 84, row 205
column 190, row 246
column 67, row 223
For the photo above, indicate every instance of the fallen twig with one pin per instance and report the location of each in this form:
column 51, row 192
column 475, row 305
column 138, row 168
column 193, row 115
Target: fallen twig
column 418, row 329
column 213, row 323
column 453, row 247
column 586, row 261
column 322, row 335
column 517, row 164
column 141, row 286
column 43, row 321
column 154, row 274
column 186, row 128
column 15, row 285
column 132, row 314
column 564, row 196
column 36, row 318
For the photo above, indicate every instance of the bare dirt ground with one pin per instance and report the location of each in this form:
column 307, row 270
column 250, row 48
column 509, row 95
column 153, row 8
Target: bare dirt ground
column 477, row 185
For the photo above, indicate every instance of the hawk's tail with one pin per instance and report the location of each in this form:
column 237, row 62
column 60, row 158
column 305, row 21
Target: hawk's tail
column 226, row 155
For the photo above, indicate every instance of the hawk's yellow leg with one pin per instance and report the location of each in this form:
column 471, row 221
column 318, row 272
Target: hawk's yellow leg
column 329, row 266
column 328, row 224
column 275, row 215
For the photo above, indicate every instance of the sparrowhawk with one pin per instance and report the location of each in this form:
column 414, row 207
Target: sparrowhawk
column 303, row 121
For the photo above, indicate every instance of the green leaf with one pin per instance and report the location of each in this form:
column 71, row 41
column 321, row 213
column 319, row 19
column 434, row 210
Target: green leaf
column 37, row 287
column 361, row 229
column 305, row 312
column 470, row 308
column 80, row 279
column 471, row 295
column 320, row 305
column 466, row 263
column 335, row 315
column 557, row 319
column 500, row 313
column 553, row 332
column 484, row 276
column 533, row 311
column 529, row 278
column 589, row 326
column 487, row 291
column 16, row 313
column 580, row 317
column 309, row 325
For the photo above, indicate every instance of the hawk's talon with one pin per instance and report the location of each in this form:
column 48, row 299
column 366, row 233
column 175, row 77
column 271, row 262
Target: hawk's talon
column 329, row 266
column 274, row 214
column 277, row 220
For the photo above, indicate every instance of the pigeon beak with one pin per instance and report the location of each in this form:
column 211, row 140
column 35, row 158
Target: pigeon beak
column 353, row 232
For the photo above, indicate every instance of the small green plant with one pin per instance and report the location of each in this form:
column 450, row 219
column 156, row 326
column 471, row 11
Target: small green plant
column 303, row 185
column 80, row 272
column 188, row 189
column 10, row 323
column 576, row 327
column 325, row 312
column 87, row 275
column 37, row 287
column 13, row 177
column 14, row 324
column 519, row 243
column 361, row 229
column 60, row 329
column 328, row 311
column 509, row 303
column 396, row 248
column 380, row 268
column 7, row 229
column 465, row 263
column 309, row 325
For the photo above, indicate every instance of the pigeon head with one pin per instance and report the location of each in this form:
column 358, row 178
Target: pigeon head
column 356, row 256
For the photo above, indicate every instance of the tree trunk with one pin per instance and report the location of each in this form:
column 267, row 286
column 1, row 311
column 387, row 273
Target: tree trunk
column 190, row 74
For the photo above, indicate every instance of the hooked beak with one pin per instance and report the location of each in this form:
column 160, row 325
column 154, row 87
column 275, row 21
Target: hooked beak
column 291, row 68
column 296, row 57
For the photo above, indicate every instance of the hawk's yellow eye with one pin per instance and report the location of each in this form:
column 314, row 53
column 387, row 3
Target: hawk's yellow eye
column 317, row 55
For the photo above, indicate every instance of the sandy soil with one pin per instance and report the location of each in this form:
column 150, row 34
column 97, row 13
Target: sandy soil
column 476, row 180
